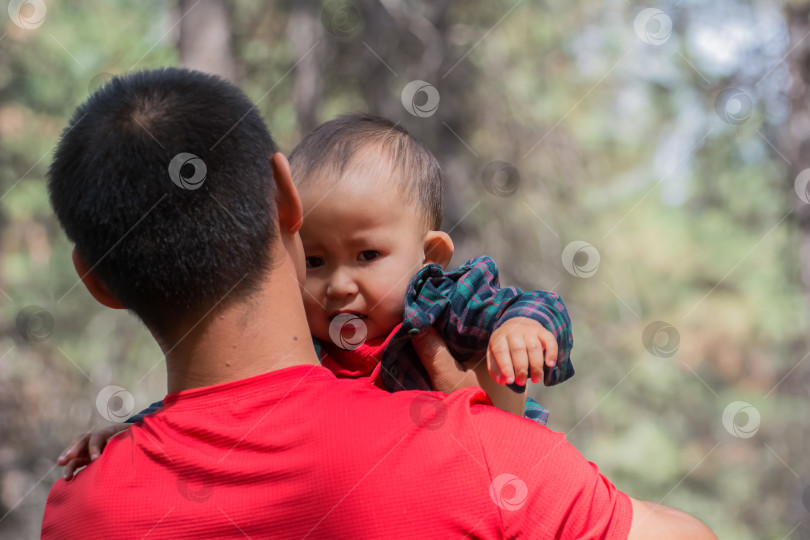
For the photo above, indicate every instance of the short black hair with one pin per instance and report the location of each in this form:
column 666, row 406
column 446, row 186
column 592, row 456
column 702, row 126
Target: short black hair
column 170, row 235
column 330, row 148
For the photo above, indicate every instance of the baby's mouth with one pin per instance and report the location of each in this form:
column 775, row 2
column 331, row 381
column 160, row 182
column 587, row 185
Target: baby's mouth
column 347, row 315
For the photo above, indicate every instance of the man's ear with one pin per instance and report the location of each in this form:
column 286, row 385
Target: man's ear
column 94, row 284
column 438, row 248
column 290, row 211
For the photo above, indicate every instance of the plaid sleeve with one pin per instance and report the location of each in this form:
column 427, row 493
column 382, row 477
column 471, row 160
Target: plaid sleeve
column 467, row 304
column 154, row 407
column 535, row 411
column 548, row 309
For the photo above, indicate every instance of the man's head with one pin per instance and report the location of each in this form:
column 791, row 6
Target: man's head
column 169, row 237
column 372, row 198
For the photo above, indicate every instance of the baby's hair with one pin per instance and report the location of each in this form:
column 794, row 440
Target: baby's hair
column 331, row 147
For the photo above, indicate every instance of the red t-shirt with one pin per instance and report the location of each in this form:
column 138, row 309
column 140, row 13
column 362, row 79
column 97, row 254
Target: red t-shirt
column 298, row 453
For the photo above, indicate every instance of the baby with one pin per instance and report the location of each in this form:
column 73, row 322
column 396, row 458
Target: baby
column 372, row 199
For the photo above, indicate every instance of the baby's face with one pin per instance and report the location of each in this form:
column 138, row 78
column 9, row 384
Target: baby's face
column 362, row 244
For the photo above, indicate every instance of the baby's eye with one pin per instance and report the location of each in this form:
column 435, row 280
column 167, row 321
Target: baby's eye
column 368, row 255
column 314, row 262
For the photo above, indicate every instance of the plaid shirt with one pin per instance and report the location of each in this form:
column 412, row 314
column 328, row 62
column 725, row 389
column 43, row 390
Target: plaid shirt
column 466, row 306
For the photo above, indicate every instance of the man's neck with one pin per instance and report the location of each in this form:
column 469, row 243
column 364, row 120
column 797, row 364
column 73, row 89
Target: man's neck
column 248, row 338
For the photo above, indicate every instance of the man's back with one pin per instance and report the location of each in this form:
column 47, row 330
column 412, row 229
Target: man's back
column 297, row 453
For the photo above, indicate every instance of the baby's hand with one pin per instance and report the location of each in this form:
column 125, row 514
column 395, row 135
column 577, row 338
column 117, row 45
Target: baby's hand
column 86, row 448
column 518, row 346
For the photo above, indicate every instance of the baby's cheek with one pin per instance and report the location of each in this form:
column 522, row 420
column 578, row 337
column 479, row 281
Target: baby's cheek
column 314, row 312
column 392, row 306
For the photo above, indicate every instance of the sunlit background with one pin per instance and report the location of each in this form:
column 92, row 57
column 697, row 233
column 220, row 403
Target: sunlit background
column 647, row 161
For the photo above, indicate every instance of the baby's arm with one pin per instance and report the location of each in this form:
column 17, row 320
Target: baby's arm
column 86, row 448
column 532, row 316
column 520, row 347
column 518, row 329
column 447, row 375
column 518, row 344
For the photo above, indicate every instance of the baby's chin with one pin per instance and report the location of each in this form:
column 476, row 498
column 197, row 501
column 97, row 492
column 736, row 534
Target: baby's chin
column 368, row 330
column 376, row 331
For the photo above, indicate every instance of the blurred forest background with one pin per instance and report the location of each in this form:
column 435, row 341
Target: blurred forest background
column 646, row 160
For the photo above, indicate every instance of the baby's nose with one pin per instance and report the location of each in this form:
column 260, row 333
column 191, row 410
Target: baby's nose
column 341, row 284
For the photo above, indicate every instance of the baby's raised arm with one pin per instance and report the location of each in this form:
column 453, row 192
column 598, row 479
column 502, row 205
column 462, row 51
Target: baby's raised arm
column 518, row 347
column 523, row 333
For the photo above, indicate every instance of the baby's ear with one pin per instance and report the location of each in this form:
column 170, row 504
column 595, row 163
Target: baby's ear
column 438, row 248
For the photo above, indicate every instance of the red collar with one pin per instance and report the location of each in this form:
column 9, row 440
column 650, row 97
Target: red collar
column 364, row 361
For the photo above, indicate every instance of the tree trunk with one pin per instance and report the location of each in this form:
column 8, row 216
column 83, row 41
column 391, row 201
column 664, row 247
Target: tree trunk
column 796, row 138
column 305, row 31
column 205, row 37
column 414, row 44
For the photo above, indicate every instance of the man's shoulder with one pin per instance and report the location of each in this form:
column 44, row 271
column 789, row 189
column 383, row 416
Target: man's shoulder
column 361, row 446
column 90, row 494
column 464, row 416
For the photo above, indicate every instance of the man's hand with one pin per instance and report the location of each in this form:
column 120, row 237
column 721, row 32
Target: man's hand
column 447, row 375
column 518, row 347
column 651, row 520
column 86, row 448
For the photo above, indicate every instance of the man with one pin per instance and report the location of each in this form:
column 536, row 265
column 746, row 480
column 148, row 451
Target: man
column 182, row 210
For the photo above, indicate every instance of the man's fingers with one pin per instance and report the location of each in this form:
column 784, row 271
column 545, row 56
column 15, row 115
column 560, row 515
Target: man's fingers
column 445, row 373
column 431, row 344
column 432, row 350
